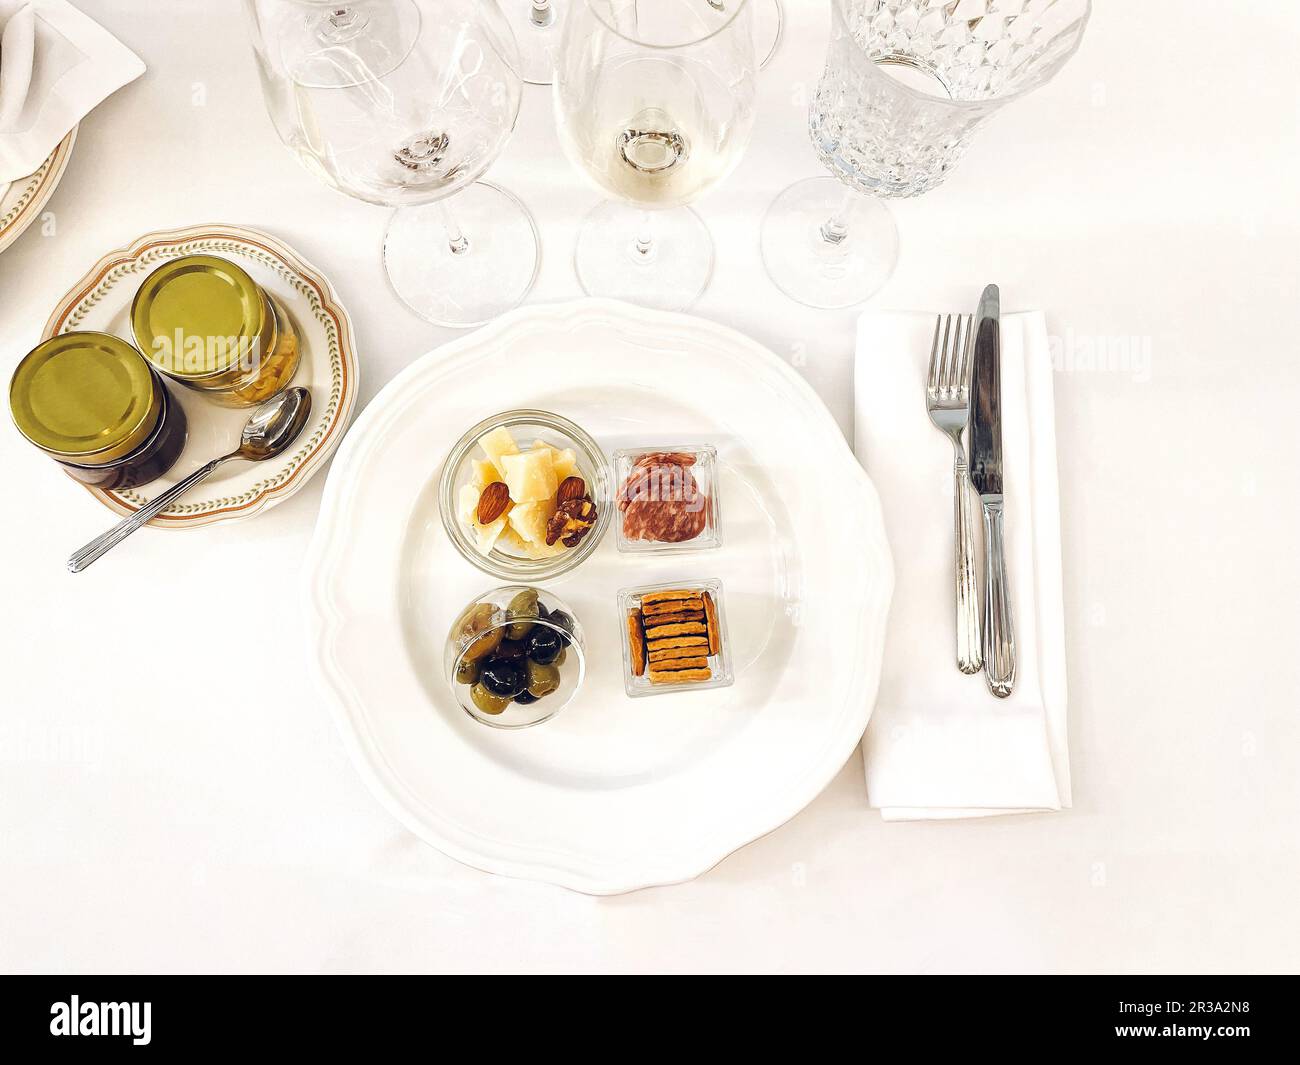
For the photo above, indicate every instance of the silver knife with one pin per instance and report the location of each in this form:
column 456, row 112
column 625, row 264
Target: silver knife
column 999, row 636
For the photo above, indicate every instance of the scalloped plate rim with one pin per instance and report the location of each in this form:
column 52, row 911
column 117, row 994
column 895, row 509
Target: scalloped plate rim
column 58, row 161
column 325, row 620
column 337, row 428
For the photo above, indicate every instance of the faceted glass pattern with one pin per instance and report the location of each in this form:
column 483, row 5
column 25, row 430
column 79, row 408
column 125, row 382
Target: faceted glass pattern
column 907, row 82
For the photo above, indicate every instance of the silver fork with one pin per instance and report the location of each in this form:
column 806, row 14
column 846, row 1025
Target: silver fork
column 947, row 400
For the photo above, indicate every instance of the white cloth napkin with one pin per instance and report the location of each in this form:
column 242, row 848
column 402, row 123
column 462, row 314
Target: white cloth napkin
column 939, row 744
column 56, row 65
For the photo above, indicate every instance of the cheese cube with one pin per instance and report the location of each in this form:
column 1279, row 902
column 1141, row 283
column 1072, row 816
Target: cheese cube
column 467, row 503
column 484, row 474
column 496, row 445
column 486, row 536
column 530, row 476
column 566, row 464
column 540, row 550
column 529, row 520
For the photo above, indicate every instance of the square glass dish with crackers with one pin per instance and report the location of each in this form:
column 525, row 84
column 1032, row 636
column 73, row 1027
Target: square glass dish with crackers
column 674, row 638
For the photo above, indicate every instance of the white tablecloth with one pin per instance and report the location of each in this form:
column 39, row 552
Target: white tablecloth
column 160, row 810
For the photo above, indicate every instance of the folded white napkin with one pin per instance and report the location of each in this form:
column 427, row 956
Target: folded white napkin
column 56, row 65
column 940, row 745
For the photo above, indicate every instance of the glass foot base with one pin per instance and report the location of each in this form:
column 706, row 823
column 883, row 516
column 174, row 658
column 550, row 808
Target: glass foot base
column 659, row 259
column 538, row 41
column 457, row 285
column 826, row 246
column 344, row 45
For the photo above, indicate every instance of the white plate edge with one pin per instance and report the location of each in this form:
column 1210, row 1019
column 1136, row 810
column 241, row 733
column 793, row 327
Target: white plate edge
column 324, row 619
column 32, row 211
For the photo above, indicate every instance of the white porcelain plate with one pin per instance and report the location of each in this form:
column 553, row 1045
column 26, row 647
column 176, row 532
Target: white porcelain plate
column 102, row 301
column 21, row 202
column 614, row 793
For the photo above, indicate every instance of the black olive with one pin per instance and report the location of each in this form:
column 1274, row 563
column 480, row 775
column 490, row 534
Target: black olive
column 544, row 645
column 510, row 649
column 504, row 677
column 525, row 697
column 561, row 619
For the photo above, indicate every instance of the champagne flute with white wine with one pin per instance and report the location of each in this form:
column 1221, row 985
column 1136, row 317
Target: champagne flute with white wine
column 655, row 103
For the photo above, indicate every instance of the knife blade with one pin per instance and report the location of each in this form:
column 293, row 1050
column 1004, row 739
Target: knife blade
column 999, row 634
column 986, row 397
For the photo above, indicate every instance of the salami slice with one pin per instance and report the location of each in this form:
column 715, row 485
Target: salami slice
column 662, row 502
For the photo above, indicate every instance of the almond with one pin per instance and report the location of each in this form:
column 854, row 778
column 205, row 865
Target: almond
column 571, row 488
column 493, row 502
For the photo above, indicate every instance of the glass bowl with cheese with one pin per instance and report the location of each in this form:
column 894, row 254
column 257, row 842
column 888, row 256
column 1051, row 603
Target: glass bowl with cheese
column 525, row 495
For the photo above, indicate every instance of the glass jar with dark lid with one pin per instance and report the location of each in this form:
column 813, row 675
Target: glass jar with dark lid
column 92, row 402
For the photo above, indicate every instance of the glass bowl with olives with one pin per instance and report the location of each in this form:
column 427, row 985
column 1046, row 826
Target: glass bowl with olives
column 515, row 657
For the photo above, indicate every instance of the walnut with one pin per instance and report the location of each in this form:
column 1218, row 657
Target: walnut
column 571, row 521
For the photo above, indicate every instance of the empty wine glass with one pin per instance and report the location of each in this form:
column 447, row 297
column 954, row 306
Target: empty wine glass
column 906, row 85
column 379, row 36
column 655, row 103
column 405, row 103
column 539, row 25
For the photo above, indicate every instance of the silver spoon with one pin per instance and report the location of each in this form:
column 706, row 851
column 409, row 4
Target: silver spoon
column 271, row 428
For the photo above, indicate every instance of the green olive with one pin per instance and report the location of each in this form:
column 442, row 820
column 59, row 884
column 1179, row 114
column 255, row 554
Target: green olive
column 542, row 680
column 475, row 619
column 482, row 646
column 466, row 671
column 523, row 611
column 559, row 659
column 486, row 701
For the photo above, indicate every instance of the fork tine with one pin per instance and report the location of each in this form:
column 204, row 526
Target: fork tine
column 958, row 354
column 932, row 381
column 947, row 354
column 967, row 342
column 949, row 338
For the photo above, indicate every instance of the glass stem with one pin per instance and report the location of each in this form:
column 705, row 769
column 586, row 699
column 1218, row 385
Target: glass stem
column 645, row 237
column 342, row 24
column 835, row 230
column 542, row 14
column 456, row 240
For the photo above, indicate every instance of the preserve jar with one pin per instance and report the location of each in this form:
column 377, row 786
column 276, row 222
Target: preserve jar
column 94, row 404
column 203, row 322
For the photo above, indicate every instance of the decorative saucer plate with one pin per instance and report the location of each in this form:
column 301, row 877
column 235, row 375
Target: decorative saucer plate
column 613, row 794
column 102, row 301
column 21, row 202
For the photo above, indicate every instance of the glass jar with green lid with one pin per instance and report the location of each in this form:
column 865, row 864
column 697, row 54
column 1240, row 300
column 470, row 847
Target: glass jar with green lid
column 203, row 322
column 92, row 402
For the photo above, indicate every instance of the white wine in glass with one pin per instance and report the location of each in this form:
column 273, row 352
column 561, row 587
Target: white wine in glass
column 655, row 104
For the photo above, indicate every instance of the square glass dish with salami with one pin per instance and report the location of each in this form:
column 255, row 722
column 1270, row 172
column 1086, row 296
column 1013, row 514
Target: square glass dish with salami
column 667, row 498
column 674, row 638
